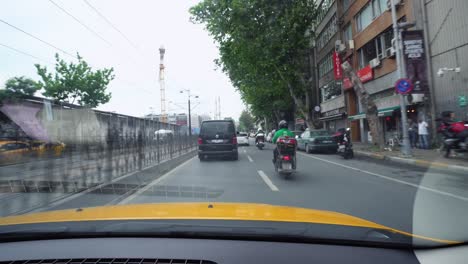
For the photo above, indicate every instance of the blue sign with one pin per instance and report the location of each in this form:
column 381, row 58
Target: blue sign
column 403, row 86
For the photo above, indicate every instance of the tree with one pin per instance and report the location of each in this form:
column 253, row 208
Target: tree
column 246, row 121
column 76, row 82
column 264, row 49
column 17, row 88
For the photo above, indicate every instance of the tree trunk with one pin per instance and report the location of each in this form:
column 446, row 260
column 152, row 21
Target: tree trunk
column 369, row 108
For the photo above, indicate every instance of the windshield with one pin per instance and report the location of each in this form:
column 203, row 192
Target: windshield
column 155, row 107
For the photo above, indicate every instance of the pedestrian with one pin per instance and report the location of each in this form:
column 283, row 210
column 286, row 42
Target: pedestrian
column 423, row 134
column 413, row 132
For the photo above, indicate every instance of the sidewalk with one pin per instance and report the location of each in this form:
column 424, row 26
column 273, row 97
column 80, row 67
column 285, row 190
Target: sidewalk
column 430, row 158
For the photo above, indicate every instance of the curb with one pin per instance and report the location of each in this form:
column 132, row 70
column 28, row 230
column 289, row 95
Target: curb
column 416, row 162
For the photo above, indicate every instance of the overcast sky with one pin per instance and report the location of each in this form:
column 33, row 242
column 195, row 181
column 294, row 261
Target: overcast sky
column 148, row 24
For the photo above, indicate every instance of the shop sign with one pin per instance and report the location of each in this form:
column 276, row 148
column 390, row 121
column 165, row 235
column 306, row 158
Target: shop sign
column 387, row 102
column 415, row 59
column 337, row 71
column 332, row 113
column 462, row 101
column 347, row 83
column 365, row 74
column 299, row 121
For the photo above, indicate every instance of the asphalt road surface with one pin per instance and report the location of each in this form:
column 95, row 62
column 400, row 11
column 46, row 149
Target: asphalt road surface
column 427, row 202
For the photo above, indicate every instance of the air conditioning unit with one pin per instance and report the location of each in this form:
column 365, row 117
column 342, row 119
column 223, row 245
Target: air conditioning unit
column 374, row 63
column 351, row 44
column 417, row 98
column 339, row 46
column 390, row 52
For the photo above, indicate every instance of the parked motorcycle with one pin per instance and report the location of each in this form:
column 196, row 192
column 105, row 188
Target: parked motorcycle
column 260, row 141
column 455, row 136
column 286, row 160
column 345, row 147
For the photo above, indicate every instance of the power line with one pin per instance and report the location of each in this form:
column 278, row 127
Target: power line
column 81, row 23
column 34, row 37
column 24, row 53
column 112, row 25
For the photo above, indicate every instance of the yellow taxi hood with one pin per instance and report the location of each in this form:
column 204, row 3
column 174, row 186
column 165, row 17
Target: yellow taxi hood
column 202, row 211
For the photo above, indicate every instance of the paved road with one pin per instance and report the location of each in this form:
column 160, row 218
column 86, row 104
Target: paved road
column 426, row 202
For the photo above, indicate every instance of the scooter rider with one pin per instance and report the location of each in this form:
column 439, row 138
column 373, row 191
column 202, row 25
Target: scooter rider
column 282, row 132
column 260, row 131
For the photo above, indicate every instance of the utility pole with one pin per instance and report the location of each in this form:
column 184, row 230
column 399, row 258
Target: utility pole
column 405, row 148
column 162, row 85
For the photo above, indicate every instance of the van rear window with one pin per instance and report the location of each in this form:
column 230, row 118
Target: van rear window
column 213, row 128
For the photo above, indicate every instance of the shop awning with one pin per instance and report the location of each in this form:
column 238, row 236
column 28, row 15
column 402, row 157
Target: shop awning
column 357, row 117
column 387, row 111
column 332, row 117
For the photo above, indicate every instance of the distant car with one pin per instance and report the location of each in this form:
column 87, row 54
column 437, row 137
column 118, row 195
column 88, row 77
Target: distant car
column 217, row 139
column 243, row 139
column 316, row 141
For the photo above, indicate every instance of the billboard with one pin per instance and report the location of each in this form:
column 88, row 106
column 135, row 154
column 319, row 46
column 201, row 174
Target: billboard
column 415, row 60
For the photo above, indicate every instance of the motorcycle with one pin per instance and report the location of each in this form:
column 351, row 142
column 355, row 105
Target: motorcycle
column 455, row 136
column 286, row 160
column 345, row 147
column 260, row 141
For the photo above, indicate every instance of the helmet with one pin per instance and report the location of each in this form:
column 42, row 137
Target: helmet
column 283, row 124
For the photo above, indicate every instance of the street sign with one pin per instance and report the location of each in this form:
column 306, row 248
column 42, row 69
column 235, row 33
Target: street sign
column 403, row 86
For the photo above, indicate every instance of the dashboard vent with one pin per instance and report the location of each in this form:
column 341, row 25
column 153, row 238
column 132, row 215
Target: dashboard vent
column 110, row 261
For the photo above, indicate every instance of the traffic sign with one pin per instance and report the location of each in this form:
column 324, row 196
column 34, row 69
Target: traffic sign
column 403, row 86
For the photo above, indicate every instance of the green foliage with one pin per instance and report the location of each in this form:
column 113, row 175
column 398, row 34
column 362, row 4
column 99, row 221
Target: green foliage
column 17, row 88
column 264, row 47
column 72, row 82
column 246, row 121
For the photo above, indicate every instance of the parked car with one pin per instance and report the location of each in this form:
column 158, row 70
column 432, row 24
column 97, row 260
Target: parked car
column 316, row 141
column 217, row 139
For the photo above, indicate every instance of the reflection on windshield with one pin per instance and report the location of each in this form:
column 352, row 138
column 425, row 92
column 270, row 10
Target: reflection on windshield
column 109, row 105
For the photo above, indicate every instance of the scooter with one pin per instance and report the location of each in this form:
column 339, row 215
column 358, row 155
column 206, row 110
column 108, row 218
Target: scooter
column 455, row 136
column 345, row 147
column 260, row 141
column 286, row 160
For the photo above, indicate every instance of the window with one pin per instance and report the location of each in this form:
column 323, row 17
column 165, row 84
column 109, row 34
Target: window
column 376, row 48
column 325, row 65
column 328, row 32
column 323, row 9
column 348, row 33
column 374, row 9
column 364, row 18
column 330, row 90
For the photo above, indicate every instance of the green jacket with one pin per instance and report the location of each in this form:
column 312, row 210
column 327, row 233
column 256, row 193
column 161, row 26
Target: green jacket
column 282, row 133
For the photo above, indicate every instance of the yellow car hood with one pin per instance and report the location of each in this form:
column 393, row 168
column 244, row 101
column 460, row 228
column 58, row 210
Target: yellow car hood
column 203, row 211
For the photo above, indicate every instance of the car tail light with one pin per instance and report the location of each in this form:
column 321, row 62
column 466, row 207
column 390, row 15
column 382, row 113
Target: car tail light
column 234, row 140
column 287, row 158
column 200, row 141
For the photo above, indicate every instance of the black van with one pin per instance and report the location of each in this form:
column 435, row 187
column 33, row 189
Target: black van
column 217, row 138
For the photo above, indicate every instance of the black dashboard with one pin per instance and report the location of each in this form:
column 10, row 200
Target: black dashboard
column 175, row 250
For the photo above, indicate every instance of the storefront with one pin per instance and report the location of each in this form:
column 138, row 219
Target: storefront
column 333, row 113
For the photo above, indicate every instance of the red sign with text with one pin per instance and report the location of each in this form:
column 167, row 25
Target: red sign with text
column 347, row 83
column 365, row 74
column 338, row 72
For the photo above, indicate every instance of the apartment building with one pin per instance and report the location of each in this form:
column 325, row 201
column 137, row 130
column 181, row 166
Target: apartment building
column 366, row 32
column 330, row 92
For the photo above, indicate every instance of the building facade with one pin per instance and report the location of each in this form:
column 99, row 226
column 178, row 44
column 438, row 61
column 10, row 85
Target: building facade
column 366, row 31
column 330, row 92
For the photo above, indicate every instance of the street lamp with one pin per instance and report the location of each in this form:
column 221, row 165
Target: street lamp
column 189, row 110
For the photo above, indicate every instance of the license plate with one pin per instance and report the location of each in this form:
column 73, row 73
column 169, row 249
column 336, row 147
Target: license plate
column 327, row 141
column 287, row 166
column 341, row 146
column 217, row 141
